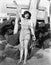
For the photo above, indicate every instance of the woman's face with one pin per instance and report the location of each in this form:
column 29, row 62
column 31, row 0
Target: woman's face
column 26, row 16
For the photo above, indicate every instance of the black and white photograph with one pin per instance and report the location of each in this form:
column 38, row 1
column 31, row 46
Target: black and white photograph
column 25, row 32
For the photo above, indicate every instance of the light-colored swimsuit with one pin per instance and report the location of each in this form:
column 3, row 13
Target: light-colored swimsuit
column 25, row 32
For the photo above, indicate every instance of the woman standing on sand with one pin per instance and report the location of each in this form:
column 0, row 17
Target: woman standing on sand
column 26, row 26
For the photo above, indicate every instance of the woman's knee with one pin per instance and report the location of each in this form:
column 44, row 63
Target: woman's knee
column 21, row 47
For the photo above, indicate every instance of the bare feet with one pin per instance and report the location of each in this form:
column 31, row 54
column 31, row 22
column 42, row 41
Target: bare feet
column 24, row 63
column 19, row 62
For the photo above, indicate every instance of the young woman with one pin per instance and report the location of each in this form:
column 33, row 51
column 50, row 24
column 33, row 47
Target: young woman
column 26, row 25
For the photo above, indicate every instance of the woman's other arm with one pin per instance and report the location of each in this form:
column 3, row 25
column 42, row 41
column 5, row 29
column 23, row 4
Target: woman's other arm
column 32, row 31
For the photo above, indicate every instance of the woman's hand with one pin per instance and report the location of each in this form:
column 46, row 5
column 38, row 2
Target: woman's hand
column 34, row 38
column 15, row 2
column 0, row 42
column 18, row 9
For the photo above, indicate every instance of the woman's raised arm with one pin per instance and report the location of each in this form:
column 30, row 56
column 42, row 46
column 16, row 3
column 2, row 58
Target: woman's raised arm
column 18, row 15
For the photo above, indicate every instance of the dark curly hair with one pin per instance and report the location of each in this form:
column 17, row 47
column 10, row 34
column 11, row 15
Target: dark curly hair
column 26, row 12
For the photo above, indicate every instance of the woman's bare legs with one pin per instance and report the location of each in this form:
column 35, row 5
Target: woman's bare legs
column 21, row 50
column 26, row 50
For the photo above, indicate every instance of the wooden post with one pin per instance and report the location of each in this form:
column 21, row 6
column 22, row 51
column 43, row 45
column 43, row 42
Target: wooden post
column 50, row 16
column 33, row 10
